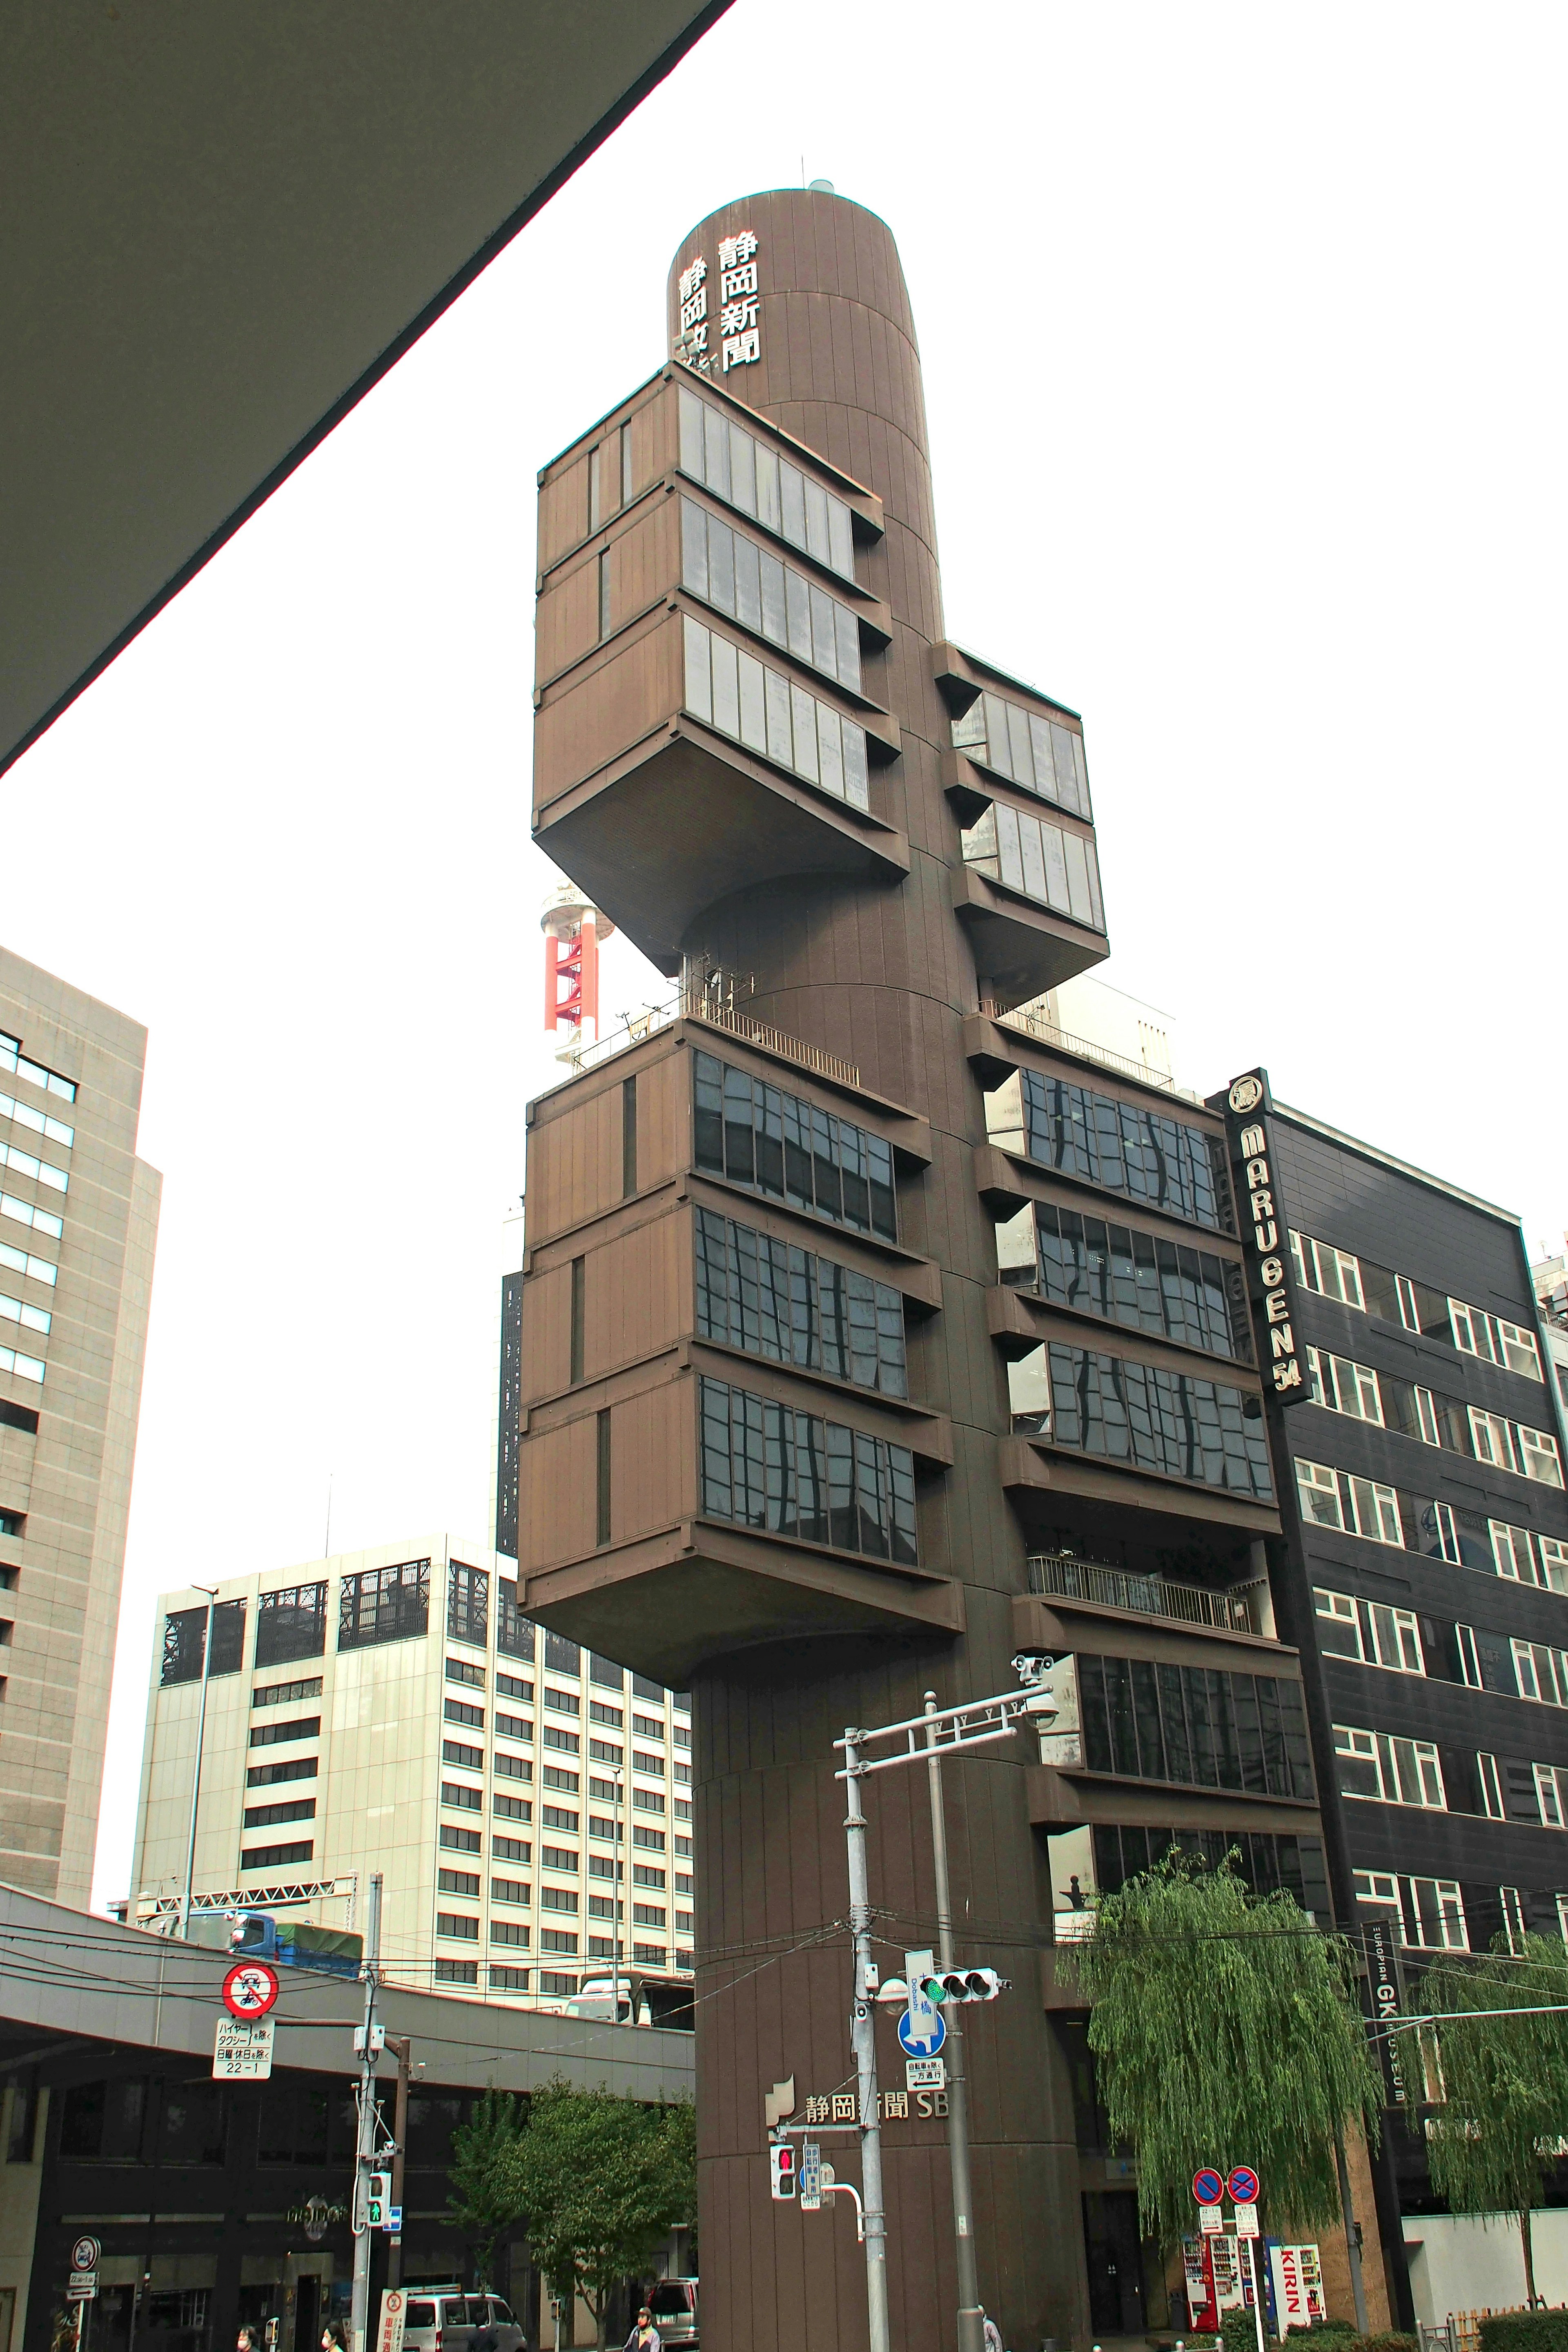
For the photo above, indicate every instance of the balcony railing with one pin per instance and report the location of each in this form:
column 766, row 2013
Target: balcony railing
column 1066, row 1577
column 1035, row 1024
column 709, row 996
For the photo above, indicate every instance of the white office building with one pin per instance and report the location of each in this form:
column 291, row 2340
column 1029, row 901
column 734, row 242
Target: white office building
column 390, row 1710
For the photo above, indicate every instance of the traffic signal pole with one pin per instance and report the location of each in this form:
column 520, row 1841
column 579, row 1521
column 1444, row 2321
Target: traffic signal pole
column 364, row 2153
column 863, row 2037
column 971, row 2317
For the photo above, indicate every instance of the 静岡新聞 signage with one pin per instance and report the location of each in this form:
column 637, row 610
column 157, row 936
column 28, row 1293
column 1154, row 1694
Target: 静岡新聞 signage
column 1282, row 1360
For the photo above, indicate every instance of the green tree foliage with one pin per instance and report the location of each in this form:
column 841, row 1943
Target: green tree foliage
column 482, row 2175
column 1503, row 2081
column 600, row 2181
column 1226, row 2031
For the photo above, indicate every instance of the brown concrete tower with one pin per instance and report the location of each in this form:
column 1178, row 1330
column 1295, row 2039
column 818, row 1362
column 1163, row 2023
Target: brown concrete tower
column 767, row 1445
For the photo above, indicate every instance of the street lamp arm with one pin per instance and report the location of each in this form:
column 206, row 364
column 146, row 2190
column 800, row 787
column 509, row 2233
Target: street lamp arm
column 971, row 1725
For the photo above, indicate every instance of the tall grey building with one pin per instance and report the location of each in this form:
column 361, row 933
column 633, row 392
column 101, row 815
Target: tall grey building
column 79, row 1223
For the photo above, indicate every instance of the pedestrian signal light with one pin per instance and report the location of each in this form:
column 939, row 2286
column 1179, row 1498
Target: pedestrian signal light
column 782, row 2159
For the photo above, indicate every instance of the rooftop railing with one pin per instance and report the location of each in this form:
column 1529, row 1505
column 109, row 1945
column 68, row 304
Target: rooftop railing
column 709, row 996
column 1068, row 1578
column 1035, row 1024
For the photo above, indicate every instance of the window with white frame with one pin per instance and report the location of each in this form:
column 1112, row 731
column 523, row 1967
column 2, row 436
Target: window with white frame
column 1555, row 1562
column 1541, row 1673
column 1519, row 1351
column 1320, row 1266
column 1427, row 1417
column 1395, row 1639
column 1562, row 1916
column 1342, row 1385
column 1395, row 1772
column 1435, row 1916
column 1319, row 1488
column 1491, row 1787
column 1362, row 1506
column 1539, row 1456
column 1377, row 1886
column 1513, row 1922
column 1469, row 1659
column 1551, row 1789
column 1472, row 1336
column 1492, row 1439
column 1339, row 1624
column 1510, row 1550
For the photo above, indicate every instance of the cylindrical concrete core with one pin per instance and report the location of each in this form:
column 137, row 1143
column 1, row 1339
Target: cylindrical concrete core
column 882, row 975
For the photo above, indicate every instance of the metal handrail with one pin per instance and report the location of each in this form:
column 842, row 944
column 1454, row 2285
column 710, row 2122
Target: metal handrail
column 699, row 1003
column 1047, row 1033
column 1068, row 1577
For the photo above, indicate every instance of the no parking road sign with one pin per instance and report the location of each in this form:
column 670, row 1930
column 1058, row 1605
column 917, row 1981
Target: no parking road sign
column 1242, row 2186
column 1207, row 2186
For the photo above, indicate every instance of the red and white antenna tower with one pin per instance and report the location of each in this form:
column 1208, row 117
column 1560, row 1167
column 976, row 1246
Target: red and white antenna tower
column 573, row 930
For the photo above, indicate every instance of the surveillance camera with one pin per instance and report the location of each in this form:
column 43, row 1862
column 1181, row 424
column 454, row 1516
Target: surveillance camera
column 1030, row 1664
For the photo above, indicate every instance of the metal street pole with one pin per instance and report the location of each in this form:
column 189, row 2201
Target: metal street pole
column 970, row 2318
column 402, row 2049
column 365, row 2150
column 211, row 1592
column 616, row 1898
column 863, row 2036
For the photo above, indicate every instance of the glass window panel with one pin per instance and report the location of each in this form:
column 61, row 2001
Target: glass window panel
column 1062, row 761
column 1034, row 857
column 792, row 492
column 840, row 538
column 1018, row 745
column 781, row 743
column 804, row 709
column 998, row 748
column 1078, row 901
column 1040, row 752
column 717, row 435
column 857, row 783
column 693, row 548
column 720, row 564
column 767, row 486
column 797, row 606
column 726, row 687
column 1096, row 904
column 817, row 534
column 774, row 624
column 1010, row 855
column 748, row 584
column 743, row 470
column 691, row 458
column 847, row 635
column 823, row 632
column 753, row 715
column 1056, row 868
column 830, row 750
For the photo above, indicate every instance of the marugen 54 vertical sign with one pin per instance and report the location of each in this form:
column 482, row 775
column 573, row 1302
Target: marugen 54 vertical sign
column 1281, row 1359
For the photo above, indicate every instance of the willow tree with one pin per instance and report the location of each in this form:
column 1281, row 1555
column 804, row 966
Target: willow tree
column 1225, row 2031
column 1501, row 2082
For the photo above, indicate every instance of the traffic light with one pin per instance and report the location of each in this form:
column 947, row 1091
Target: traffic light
column 782, row 2156
column 965, row 1984
column 378, row 2200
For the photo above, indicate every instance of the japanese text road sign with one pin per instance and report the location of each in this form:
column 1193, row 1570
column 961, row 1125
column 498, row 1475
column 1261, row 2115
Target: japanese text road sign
column 926, row 2073
column 242, row 2050
column 250, row 1988
column 1207, row 2186
column 1211, row 2221
column 1242, row 2186
column 389, row 2334
column 85, row 2255
column 1247, row 2222
column 810, row 2176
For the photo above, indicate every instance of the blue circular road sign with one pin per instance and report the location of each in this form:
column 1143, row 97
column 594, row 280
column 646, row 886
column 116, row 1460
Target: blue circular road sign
column 1243, row 2185
column 922, row 2038
column 1207, row 2186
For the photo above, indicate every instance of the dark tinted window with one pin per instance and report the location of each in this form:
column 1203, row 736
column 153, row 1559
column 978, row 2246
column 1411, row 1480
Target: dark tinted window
column 783, row 1147
column 292, row 1623
column 385, row 1604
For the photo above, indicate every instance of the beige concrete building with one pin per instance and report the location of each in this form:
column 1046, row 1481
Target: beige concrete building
column 78, row 1224
column 391, row 1710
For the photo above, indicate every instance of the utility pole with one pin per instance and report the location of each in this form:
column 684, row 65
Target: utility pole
column 211, row 1592
column 402, row 2049
column 1352, row 2231
column 863, row 2036
column 365, row 2151
column 616, row 1900
column 970, row 2318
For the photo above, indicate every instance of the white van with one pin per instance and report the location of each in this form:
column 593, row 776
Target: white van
column 446, row 2319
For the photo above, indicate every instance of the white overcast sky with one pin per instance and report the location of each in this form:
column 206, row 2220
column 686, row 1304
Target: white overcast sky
column 1244, row 347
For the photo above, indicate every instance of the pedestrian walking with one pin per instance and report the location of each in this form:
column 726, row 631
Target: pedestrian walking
column 645, row 2336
